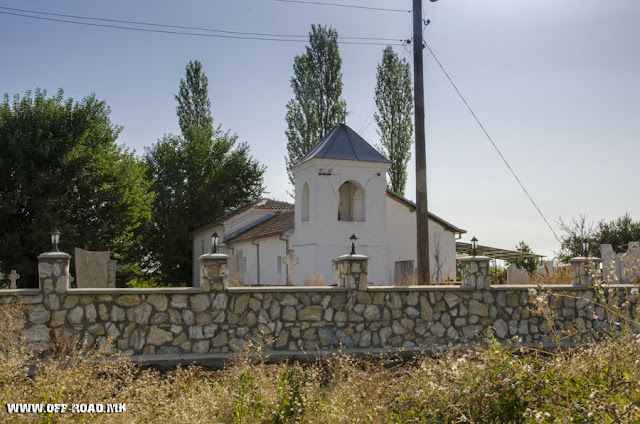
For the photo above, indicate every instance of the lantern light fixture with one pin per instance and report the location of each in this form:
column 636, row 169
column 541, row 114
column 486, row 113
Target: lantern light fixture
column 55, row 240
column 354, row 240
column 214, row 242
column 474, row 245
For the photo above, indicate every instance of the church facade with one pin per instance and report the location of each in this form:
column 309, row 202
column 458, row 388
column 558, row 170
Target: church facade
column 340, row 190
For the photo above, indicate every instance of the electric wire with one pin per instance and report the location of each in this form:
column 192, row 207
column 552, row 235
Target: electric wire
column 183, row 27
column 491, row 140
column 320, row 3
column 246, row 36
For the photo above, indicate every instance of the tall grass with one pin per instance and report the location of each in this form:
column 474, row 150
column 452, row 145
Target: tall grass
column 592, row 383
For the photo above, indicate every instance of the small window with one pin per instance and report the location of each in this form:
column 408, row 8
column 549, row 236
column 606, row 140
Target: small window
column 305, row 202
column 202, row 247
column 279, row 264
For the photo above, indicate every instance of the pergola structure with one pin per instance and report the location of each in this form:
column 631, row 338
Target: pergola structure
column 465, row 249
column 494, row 252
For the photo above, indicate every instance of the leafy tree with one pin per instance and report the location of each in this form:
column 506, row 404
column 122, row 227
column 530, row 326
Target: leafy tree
column 498, row 274
column 530, row 264
column 196, row 177
column 317, row 105
column 60, row 167
column 618, row 233
column 194, row 106
column 394, row 101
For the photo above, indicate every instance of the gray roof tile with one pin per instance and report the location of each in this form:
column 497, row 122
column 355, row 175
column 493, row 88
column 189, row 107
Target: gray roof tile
column 344, row 143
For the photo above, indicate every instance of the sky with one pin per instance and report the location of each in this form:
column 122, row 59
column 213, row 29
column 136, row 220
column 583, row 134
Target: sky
column 556, row 84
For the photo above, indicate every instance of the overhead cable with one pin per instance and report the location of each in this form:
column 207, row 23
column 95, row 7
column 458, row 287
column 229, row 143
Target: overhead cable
column 491, row 140
column 224, row 33
column 321, row 3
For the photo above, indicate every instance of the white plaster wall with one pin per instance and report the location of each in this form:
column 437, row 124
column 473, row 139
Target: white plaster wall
column 401, row 228
column 270, row 249
column 323, row 237
column 229, row 228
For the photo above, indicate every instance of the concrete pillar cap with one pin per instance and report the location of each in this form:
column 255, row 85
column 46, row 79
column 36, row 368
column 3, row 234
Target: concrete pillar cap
column 214, row 256
column 584, row 259
column 475, row 258
column 355, row 257
column 54, row 255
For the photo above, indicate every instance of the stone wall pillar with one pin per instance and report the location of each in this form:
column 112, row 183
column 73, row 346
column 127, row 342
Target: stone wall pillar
column 53, row 272
column 213, row 271
column 353, row 271
column 581, row 269
column 476, row 272
column 53, row 276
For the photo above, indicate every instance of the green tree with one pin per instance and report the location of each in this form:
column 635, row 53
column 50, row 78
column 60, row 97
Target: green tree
column 196, row 177
column 394, row 101
column 317, row 105
column 194, row 106
column 60, row 166
column 618, row 233
column 498, row 274
column 530, row 264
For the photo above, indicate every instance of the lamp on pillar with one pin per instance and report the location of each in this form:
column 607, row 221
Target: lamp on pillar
column 55, row 239
column 214, row 242
column 354, row 240
column 474, row 245
column 585, row 248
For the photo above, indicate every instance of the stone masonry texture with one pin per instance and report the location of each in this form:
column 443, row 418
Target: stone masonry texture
column 215, row 319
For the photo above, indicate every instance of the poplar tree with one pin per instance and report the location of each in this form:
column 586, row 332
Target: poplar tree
column 194, row 106
column 317, row 105
column 197, row 177
column 394, row 101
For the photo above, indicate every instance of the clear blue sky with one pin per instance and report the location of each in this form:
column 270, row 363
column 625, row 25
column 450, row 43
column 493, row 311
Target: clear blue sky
column 555, row 83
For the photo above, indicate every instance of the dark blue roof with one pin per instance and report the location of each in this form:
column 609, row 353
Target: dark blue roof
column 344, row 143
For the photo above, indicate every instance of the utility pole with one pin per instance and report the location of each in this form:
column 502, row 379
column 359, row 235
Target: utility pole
column 422, row 214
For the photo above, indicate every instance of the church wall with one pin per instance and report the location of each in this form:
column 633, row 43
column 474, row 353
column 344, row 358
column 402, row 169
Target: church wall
column 323, row 237
column 202, row 239
column 270, row 248
column 401, row 228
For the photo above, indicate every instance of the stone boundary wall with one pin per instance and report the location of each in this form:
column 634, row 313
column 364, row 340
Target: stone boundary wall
column 215, row 319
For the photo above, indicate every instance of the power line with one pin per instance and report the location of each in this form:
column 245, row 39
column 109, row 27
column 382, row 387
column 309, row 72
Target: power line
column 182, row 27
column 320, row 3
column 238, row 35
column 494, row 144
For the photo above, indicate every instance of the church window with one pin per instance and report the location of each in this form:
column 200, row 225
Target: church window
column 305, row 202
column 351, row 207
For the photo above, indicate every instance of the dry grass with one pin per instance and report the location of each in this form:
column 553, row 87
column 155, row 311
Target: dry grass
column 561, row 275
column 314, row 280
column 592, row 383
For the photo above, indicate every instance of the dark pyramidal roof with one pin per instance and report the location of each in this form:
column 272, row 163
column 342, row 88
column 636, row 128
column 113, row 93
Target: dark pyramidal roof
column 344, row 143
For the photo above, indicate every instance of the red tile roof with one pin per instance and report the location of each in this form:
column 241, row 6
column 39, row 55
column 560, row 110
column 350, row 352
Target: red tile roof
column 271, row 227
column 269, row 204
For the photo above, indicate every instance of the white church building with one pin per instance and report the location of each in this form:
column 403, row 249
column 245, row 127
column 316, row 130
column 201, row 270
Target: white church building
column 340, row 190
